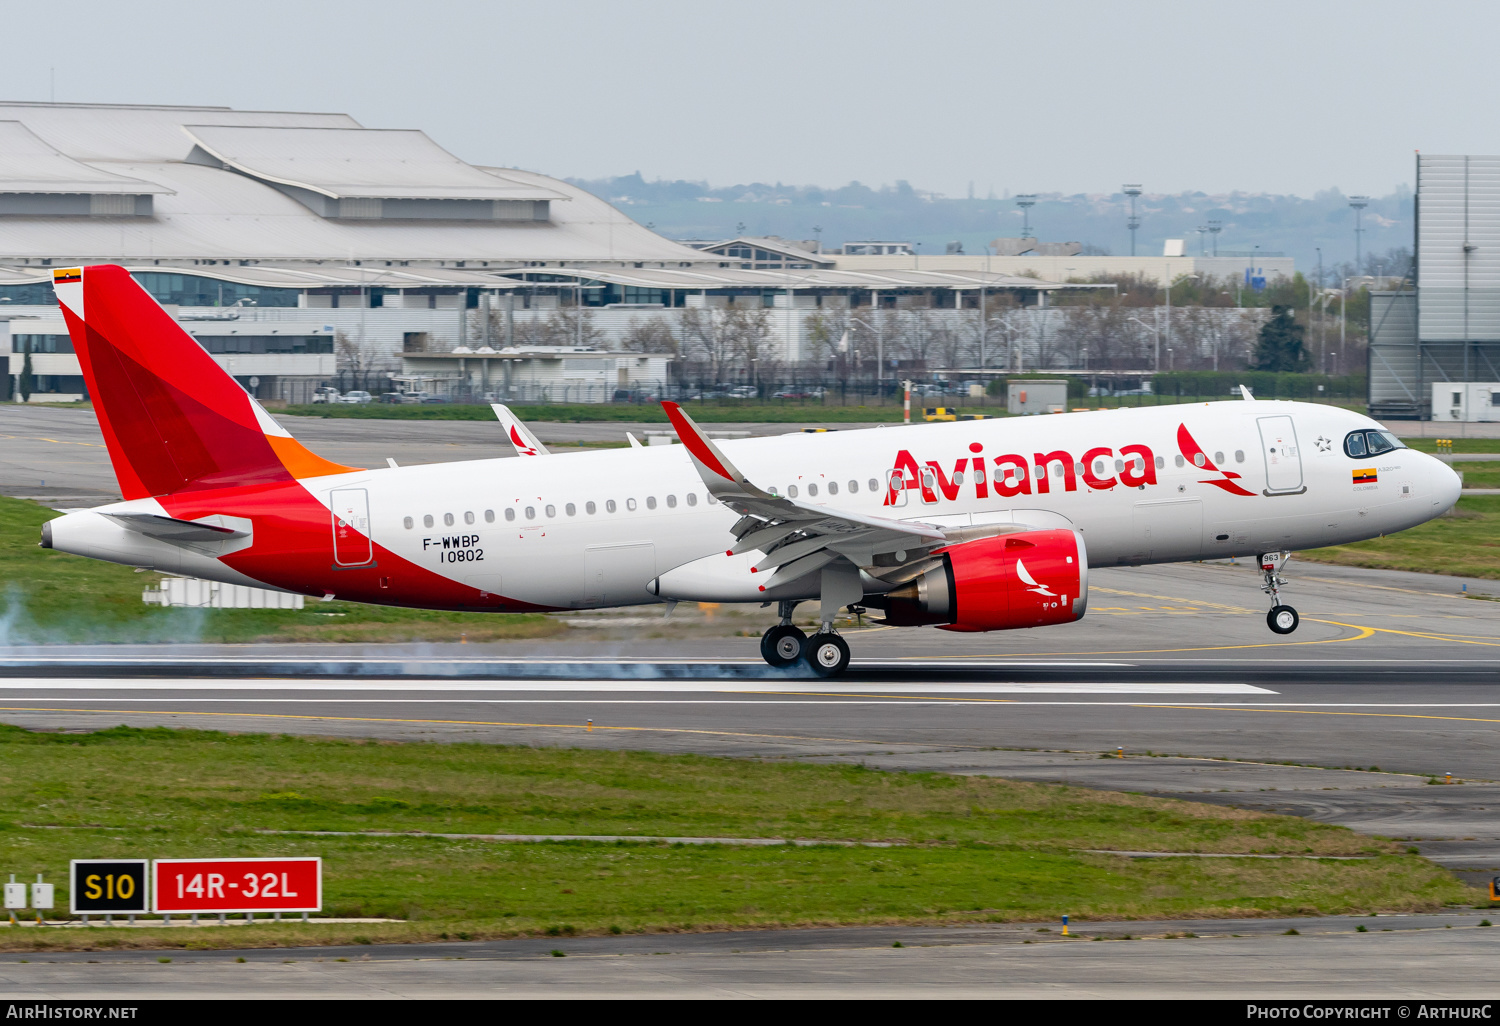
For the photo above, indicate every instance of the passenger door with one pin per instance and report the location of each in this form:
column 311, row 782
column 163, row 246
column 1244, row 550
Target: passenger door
column 350, row 508
column 1278, row 445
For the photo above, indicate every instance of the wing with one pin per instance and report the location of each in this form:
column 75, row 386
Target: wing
column 519, row 434
column 798, row 538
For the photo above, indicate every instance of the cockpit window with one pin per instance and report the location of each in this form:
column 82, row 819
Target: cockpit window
column 1358, row 444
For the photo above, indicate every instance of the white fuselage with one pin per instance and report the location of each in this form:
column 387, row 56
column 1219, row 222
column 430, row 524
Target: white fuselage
column 593, row 529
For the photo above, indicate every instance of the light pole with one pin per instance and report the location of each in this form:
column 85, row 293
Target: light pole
column 1358, row 203
column 1132, row 222
column 1026, row 201
column 1214, row 228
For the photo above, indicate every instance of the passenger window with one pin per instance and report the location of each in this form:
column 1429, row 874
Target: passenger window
column 406, row 522
column 1218, row 458
column 1354, row 444
column 812, row 489
column 1179, row 461
column 589, row 508
column 630, row 505
column 692, row 499
column 671, row 502
column 609, row 505
column 874, row 484
column 489, row 516
column 791, row 491
column 427, row 520
column 447, row 519
column 468, row 516
column 510, row 514
column 530, row 512
column 833, row 487
column 551, row 512
column 853, row 487
column 650, row 502
column 571, row 510
column 1239, row 455
column 711, row 500
column 1161, row 462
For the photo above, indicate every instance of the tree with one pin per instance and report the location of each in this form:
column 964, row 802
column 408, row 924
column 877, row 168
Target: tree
column 28, row 380
column 1279, row 347
column 649, row 335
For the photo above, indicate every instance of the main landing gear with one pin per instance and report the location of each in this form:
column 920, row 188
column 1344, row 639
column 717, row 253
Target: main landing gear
column 781, row 645
column 1282, row 619
column 825, row 653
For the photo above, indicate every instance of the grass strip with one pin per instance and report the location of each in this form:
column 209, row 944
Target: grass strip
column 975, row 848
column 1465, row 543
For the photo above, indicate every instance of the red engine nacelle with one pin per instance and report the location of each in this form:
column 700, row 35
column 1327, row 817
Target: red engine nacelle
column 1029, row 579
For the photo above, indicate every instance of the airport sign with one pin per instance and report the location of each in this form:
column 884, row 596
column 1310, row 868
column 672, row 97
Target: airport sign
column 238, row 885
column 108, row 886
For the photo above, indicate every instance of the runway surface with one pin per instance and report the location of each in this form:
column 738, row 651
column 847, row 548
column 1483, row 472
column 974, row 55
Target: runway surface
column 1399, row 958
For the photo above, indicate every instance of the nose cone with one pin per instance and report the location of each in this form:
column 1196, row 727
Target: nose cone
column 1444, row 484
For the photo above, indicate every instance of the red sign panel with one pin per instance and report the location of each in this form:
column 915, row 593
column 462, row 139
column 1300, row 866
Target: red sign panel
column 237, row 885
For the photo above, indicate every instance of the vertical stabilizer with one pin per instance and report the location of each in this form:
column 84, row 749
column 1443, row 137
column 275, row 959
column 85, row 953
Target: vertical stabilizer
column 173, row 419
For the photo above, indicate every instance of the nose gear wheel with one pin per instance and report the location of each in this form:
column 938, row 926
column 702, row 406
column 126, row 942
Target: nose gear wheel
column 1282, row 619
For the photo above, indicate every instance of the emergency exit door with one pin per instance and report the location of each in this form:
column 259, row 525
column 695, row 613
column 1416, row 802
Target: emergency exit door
column 350, row 508
column 1278, row 446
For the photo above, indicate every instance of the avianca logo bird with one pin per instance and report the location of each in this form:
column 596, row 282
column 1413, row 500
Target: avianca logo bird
column 1026, row 578
column 522, row 449
column 1194, row 454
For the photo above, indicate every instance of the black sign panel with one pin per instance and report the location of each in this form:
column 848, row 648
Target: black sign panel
column 109, row 885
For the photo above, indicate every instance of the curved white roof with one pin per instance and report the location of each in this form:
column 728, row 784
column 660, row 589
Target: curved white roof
column 355, row 162
column 208, row 216
column 27, row 164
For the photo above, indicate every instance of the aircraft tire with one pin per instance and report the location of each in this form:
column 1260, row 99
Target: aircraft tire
column 781, row 645
column 1282, row 619
column 827, row 654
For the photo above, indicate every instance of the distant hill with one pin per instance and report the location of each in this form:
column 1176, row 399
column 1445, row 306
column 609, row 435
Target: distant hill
column 1292, row 225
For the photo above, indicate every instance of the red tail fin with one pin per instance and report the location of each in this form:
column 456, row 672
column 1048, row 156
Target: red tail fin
column 173, row 418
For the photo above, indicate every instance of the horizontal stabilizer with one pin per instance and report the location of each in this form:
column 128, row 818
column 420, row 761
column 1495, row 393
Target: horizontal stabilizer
column 169, row 529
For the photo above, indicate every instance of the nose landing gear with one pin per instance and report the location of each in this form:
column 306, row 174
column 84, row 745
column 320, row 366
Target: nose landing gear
column 1282, row 619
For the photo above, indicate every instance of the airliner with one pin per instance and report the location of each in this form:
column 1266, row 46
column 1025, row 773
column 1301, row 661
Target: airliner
column 965, row 526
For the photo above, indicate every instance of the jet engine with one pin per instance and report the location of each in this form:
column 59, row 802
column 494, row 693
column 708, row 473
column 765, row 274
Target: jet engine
column 1029, row 579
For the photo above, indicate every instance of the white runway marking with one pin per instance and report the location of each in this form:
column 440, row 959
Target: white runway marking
column 85, row 661
column 768, row 687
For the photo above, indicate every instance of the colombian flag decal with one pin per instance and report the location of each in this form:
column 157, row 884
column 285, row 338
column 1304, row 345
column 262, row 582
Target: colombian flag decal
column 1365, row 476
column 66, row 275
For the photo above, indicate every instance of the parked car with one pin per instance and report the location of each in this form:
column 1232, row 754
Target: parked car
column 325, row 394
column 391, row 397
column 356, row 397
column 633, row 395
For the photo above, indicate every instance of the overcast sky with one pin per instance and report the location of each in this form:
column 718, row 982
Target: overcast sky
column 1031, row 97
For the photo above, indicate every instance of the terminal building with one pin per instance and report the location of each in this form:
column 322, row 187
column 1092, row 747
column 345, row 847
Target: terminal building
column 284, row 240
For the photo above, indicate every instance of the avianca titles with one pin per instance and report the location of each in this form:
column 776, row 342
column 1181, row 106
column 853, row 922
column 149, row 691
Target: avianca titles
column 967, row 526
